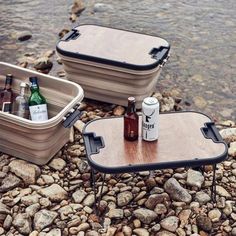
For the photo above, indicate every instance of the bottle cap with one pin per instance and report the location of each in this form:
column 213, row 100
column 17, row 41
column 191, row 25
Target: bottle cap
column 131, row 99
column 9, row 79
column 33, row 79
column 23, row 85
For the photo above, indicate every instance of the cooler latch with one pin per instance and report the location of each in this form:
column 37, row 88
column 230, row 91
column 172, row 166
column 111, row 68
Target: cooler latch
column 72, row 116
column 72, row 35
column 161, row 54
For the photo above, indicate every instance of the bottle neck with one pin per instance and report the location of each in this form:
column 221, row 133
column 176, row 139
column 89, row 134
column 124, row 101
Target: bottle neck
column 22, row 91
column 131, row 107
column 34, row 88
column 7, row 86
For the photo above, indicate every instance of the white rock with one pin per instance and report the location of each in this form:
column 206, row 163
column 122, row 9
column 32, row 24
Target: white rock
column 57, row 164
column 89, row 200
column 124, row 198
column 116, row 213
column 141, row 232
column 232, row 149
column 79, row 125
column 32, row 209
column 170, row 223
column 222, row 192
column 28, row 172
column 229, row 134
column 194, row 178
column 30, row 199
column 79, row 196
column 54, row 192
column 48, row 179
column 214, row 215
column 44, row 218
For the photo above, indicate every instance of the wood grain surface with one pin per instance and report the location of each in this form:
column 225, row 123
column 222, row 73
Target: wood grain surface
column 113, row 44
column 180, row 139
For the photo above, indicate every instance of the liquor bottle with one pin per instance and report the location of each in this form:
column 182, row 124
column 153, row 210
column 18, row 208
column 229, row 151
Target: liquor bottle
column 6, row 95
column 37, row 102
column 20, row 106
column 131, row 123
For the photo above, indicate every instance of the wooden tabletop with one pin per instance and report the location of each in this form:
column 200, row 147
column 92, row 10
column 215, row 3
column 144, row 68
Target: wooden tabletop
column 181, row 143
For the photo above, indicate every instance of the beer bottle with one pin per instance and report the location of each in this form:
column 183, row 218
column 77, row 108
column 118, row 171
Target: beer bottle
column 131, row 124
column 6, row 95
column 20, row 106
column 37, row 102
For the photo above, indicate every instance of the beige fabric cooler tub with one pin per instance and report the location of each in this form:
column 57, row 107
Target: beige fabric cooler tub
column 112, row 64
column 38, row 142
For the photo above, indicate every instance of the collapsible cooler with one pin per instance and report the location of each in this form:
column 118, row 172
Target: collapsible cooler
column 112, row 64
column 37, row 142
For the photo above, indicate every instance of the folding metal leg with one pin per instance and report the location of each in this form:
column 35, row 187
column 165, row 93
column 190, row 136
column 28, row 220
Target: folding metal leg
column 95, row 190
column 93, row 182
column 213, row 187
column 100, row 197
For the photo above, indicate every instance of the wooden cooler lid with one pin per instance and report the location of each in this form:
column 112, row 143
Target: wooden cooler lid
column 114, row 47
column 185, row 139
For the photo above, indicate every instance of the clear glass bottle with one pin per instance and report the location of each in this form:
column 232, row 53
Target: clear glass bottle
column 37, row 102
column 6, row 95
column 20, row 106
column 131, row 121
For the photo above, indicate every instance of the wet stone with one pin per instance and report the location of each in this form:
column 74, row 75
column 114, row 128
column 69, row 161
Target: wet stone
column 23, row 36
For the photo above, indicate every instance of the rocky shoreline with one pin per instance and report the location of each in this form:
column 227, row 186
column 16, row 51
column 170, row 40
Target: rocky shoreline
column 58, row 199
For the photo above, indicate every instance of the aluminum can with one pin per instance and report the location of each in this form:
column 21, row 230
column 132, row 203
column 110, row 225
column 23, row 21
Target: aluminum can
column 150, row 119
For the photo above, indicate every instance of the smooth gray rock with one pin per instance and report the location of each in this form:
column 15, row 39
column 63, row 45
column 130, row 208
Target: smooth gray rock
column 57, row 164
column 124, row 198
column 202, row 198
column 23, row 222
column 145, row 215
column 44, row 218
column 9, row 182
column 54, row 192
column 170, row 223
column 79, row 196
column 176, row 191
column 194, row 178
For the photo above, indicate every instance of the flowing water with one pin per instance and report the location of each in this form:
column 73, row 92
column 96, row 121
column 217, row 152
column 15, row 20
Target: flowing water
column 202, row 67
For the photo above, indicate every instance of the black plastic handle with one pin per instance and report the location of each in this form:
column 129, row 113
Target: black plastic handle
column 211, row 132
column 160, row 54
column 73, row 34
column 72, row 117
column 93, row 143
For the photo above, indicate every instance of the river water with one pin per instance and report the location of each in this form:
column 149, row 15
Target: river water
column 202, row 66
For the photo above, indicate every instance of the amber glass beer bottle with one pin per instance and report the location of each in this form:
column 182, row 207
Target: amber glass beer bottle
column 6, row 95
column 131, row 121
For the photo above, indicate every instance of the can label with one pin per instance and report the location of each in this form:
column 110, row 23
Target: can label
column 150, row 116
